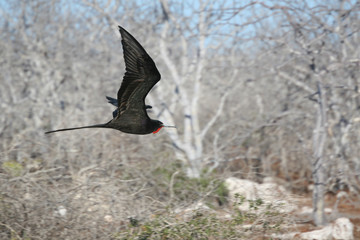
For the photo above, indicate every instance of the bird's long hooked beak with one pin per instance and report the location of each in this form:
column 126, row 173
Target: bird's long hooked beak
column 169, row 126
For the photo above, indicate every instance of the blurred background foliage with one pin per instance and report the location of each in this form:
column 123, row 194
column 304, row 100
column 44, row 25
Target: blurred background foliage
column 238, row 80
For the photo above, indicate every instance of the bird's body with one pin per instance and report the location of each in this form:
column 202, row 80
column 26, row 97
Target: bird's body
column 140, row 76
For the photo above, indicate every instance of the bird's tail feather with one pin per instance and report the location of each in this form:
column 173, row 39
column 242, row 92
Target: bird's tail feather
column 75, row 128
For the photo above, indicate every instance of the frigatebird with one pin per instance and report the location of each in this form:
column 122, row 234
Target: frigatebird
column 140, row 76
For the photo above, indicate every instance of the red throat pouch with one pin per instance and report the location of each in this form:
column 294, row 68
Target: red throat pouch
column 157, row 130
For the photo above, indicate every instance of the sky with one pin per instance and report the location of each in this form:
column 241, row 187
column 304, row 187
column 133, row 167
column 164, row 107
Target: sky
column 227, row 9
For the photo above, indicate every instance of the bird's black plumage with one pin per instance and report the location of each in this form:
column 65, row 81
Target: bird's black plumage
column 140, row 76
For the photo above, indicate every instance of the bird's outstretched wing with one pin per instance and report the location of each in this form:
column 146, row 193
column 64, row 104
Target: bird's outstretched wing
column 140, row 76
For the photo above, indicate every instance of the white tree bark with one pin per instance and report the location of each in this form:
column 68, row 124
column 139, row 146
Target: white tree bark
column 319, row 170
column 189, row 147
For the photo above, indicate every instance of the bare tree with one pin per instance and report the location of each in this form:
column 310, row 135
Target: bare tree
column 189, row 70
column 319, row 48
column 319, row 165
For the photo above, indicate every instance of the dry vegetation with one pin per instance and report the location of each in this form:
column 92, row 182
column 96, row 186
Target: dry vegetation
column 240, row 80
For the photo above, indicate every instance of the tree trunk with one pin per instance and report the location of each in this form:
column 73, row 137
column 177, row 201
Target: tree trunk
column 318, row 160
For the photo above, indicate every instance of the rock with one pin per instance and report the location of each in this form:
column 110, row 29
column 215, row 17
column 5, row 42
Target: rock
column 328, row 210
column 108, row 218
column 321, row 234
column 306, row 210
column 268, row 192
column 278, row 197
column 343, row 229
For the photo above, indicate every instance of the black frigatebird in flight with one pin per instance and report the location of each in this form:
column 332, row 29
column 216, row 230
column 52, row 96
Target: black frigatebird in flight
column 140, row 76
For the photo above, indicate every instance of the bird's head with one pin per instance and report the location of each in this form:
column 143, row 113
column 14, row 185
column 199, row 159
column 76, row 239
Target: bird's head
column 159, row 125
